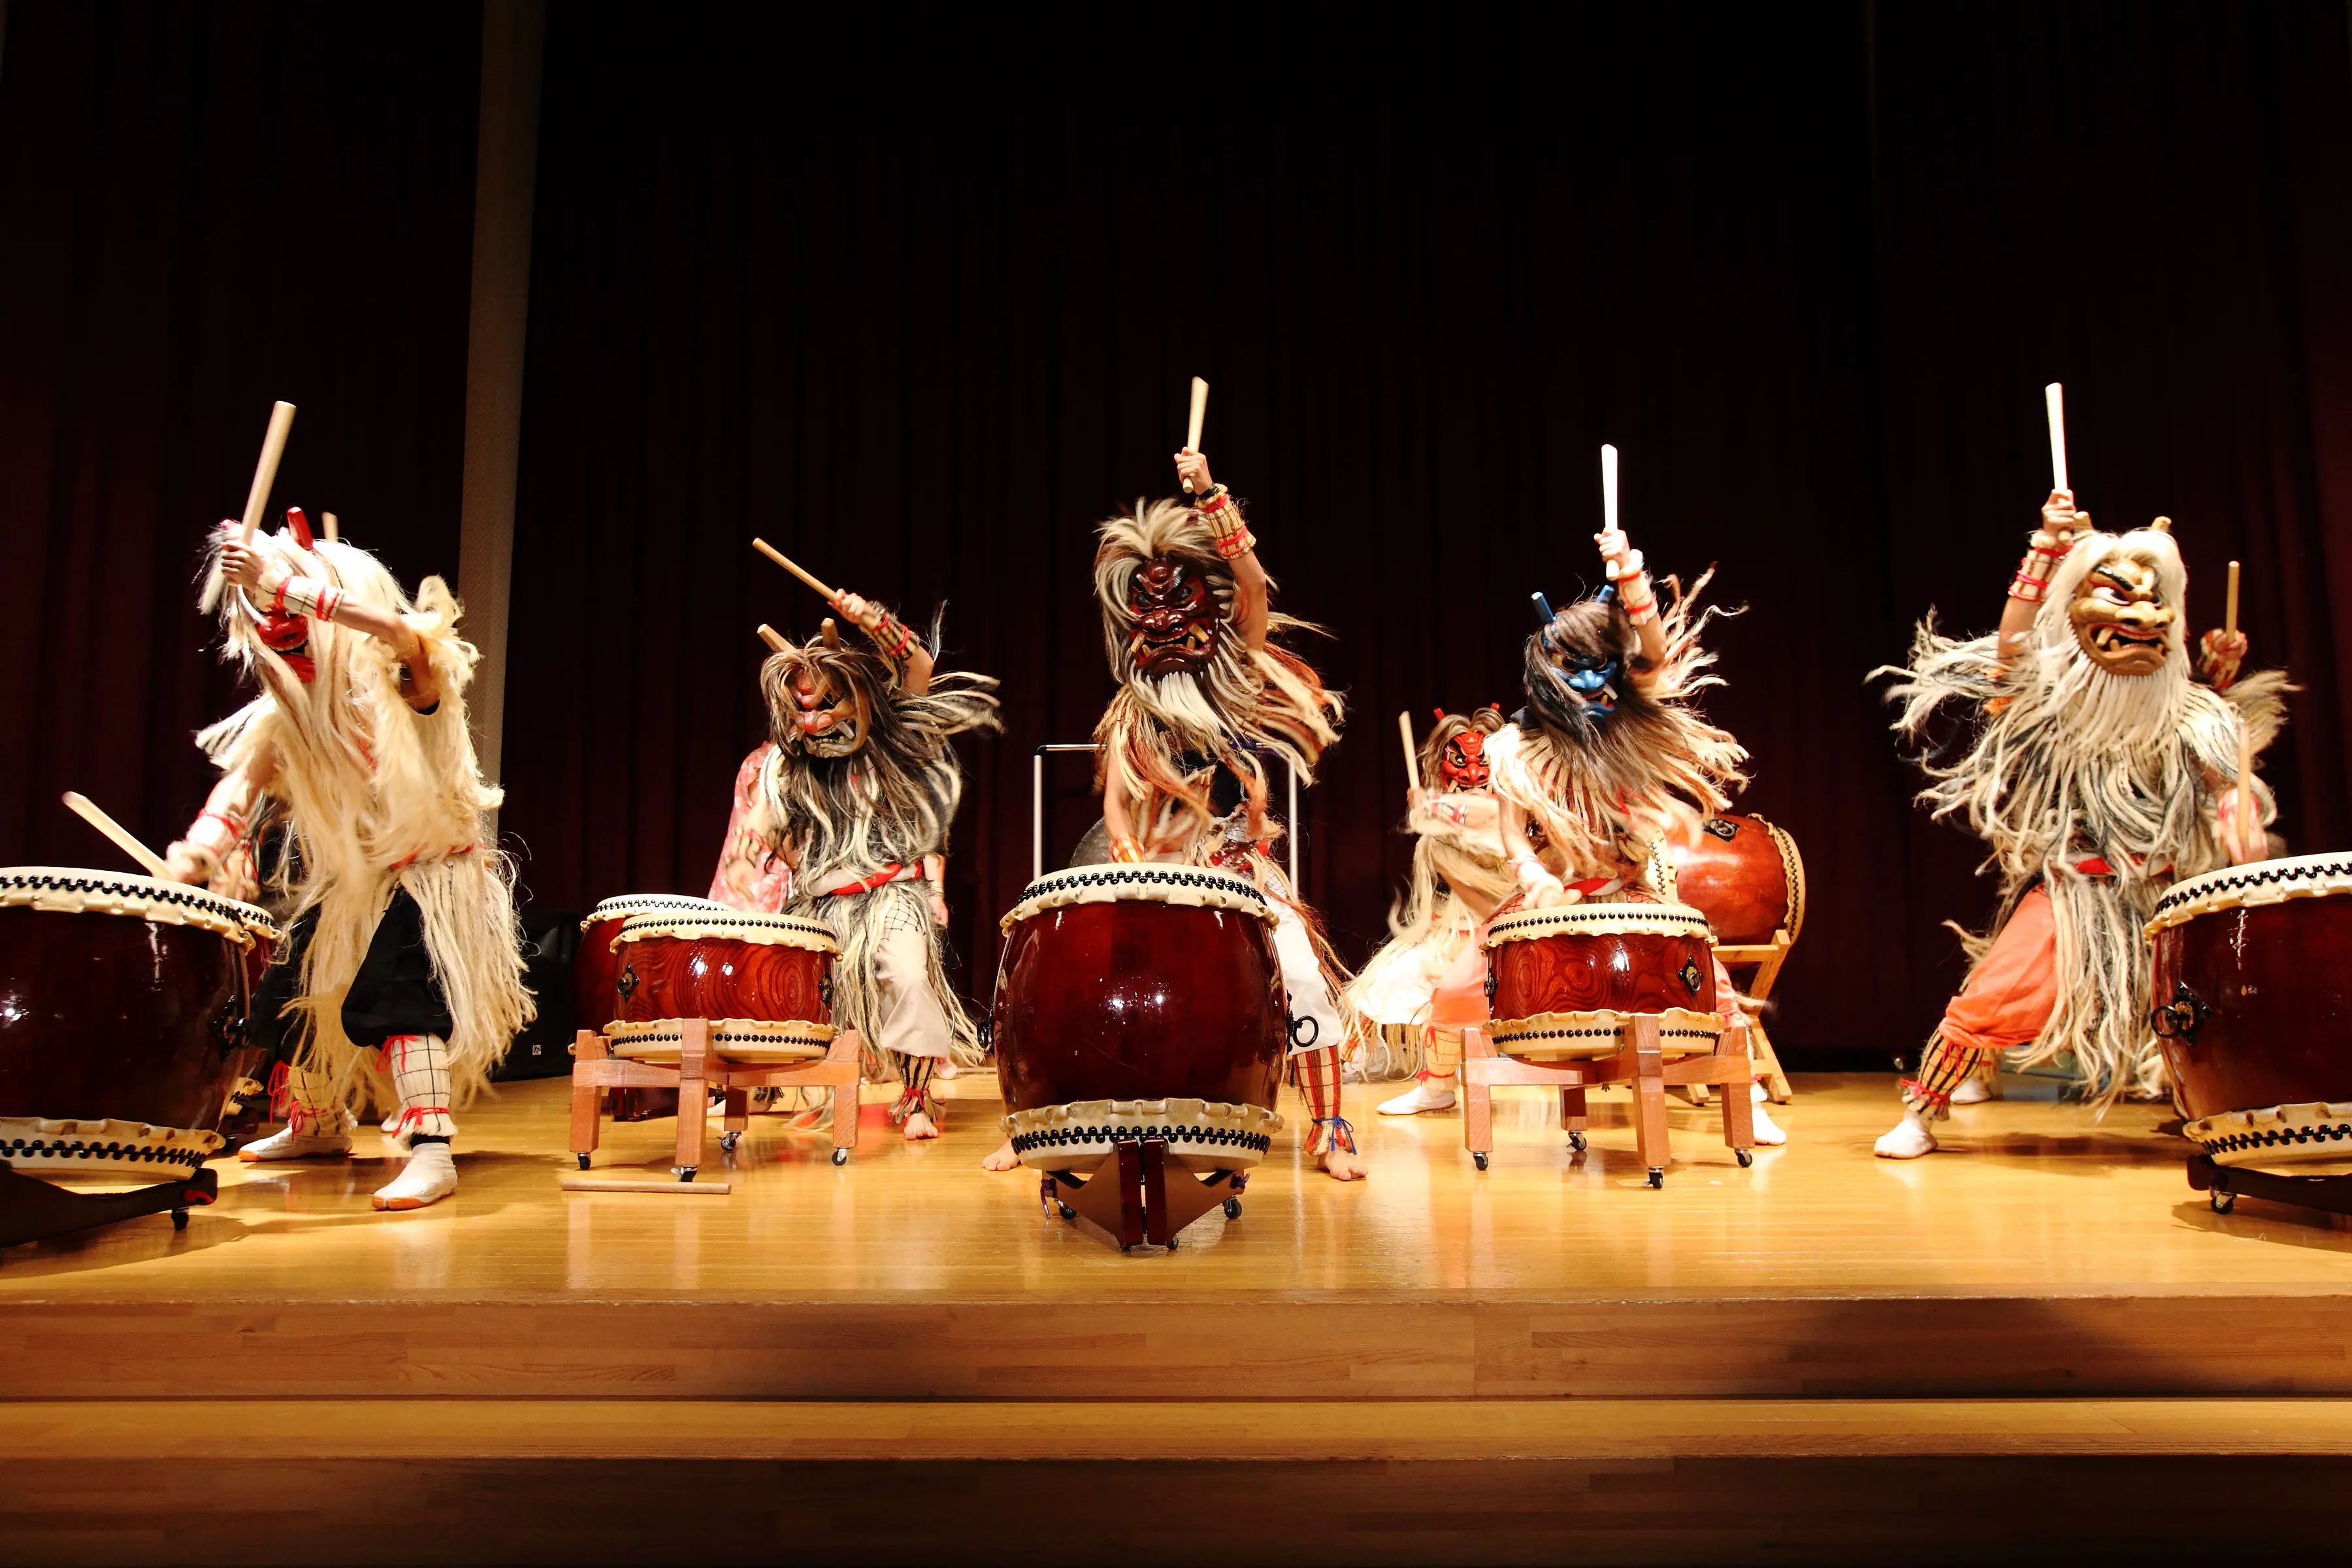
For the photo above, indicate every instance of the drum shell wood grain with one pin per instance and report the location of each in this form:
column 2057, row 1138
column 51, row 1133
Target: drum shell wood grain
column 112, row 1015
column 2277, row 980
column 1622, row 972
column 722, row 977
column 1136, row 999
column 1740, row 883
column 595, row 971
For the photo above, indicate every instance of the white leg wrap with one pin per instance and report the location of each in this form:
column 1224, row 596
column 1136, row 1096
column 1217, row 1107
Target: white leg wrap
column 419, row 1065
column 315, row 1127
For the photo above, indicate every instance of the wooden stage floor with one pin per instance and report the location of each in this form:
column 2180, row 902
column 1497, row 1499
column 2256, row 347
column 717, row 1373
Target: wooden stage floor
column 1792, row 1362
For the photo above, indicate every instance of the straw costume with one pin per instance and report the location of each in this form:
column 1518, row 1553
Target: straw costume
column 404, row 955
column 2098, row 770
column 1430, row 977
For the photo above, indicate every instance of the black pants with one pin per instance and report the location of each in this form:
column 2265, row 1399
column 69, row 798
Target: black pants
column 394, row 992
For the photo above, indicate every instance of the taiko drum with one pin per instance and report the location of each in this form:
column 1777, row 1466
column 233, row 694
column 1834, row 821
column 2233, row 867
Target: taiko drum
column 1746, row 877
column 725, row 963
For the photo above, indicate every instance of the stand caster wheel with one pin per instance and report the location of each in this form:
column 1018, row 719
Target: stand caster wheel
column 583, row 1159
column 1171, row 1244
column 1576, row 1142
column 1657, row 1177
column 727, row 1141
column 1232, row 1208
column 179, row 1219
column 1066, row 1212
column 2222, row 1202
column 1478, row 1160
column 841, row 1156
column 1744, row 1157
column 685, row 1172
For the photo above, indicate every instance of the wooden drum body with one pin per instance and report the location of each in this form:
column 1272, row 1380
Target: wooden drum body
column 122, row 1019
column 1139, row 1001
column 766, row 981
column 2251, row 1004
column 1746, row 877
column 1561, row 980
column 597, row 973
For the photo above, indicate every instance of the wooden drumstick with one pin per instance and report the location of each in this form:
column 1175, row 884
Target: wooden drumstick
column 1609, row 486
column 1200, row 412
column 2245, row 734
column 1411, row 752
column 87, row 809
column 2055, row 394
column 265, row 472
column 329, row 519
column 767, row 635
column 789, row 565
column 2229, row 613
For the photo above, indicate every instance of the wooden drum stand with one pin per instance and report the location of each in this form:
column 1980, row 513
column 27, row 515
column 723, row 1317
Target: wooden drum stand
column 594, row 1069
column 1639, row 1061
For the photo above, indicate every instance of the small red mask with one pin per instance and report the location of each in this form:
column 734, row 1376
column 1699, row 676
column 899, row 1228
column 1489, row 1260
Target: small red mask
column 1461, row 762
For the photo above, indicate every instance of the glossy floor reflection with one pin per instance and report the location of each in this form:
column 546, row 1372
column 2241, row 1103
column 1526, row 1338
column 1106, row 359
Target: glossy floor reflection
column 2033, row 1196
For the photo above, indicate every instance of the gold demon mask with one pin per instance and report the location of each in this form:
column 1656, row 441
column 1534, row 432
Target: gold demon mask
column 2120, row 616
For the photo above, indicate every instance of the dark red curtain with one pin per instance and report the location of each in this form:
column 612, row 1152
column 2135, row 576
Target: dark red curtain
column 204, row 208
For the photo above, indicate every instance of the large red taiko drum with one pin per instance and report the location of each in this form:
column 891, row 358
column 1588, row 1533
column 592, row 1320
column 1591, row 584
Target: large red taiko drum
column 2251, row 1002
column 1137, row 1001
column 123, row 1003
column 1560, row 978
column 1746, row 877
column 770, row 974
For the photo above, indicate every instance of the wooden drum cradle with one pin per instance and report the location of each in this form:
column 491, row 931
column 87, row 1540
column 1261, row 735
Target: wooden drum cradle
column 718, row 999
column 122, row 1039
column 1586, row 994
column 2252, row 1006
column 1140, row 1028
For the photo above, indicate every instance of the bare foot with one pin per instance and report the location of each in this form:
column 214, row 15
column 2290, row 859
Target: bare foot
column 1000, row 1158
column 1343, row 1166
column 918, row 1127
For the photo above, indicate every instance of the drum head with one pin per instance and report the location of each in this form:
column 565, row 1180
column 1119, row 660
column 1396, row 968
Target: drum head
column 66, row 890
column 731, row 925
column 1198, row 887
column 628, row 904
column 1598, row 920
column 749, row 1042
column 2263, row 882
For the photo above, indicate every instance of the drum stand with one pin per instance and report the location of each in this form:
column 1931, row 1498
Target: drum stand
column 2222, row 1184
column 1768, row 957
column 594, row 1069
column 31, row 1209
column 1137, row 1196
column 1638, row 1062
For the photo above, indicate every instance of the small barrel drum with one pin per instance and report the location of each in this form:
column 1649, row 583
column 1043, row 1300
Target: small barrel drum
column 768, row 978
column 1746, row 877
column 122, row 1019
column 1139, row 1001
column 2252, row 1006
column 1560, row 980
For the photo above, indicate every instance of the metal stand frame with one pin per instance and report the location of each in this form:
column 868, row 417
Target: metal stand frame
column 1037, row 806
column 31, row 1209
column 2222, row 1184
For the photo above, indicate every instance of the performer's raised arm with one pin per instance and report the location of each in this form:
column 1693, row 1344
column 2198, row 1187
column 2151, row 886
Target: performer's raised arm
column 271, row 587
column 894, row 636
column 1623, row 564
column 1235, row 542
column 2043, row 550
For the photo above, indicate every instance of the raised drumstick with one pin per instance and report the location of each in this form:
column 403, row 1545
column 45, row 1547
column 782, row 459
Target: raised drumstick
column 2245, row 735
column 1412, row 754
column 87, row 809
column 2055, row 394
column 1192, row 428
column 2229, row 614
column 1609, row 486
column 265, row 472
column 329, row 519
column 767, row 635
column 789, row 565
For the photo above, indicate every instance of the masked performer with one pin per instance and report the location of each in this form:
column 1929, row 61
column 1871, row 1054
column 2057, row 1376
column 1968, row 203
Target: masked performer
column 2100, row 771
column 1204, row 699
column 858, row 792
column 1609, row 758
column 1431, row 974
column 404, row 939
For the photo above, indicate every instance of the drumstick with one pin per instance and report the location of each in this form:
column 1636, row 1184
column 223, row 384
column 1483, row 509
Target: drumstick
column 1609, row 486
column 329, row 519
column 767, row 635
column 265, row 472
column 2055, row 394
column 675, row 1189
column 2245, row 735
column 1200, row 412
column 789, row 565
column 1412, row 756
column 87, row 809
column 2229, row 614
